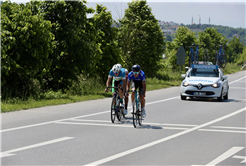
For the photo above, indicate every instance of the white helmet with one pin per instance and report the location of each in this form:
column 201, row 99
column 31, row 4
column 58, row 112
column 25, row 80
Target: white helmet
column 116, row 68
column 119, row 65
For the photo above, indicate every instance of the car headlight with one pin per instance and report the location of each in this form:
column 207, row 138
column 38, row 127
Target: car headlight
column 216, row 85
column 185, row 83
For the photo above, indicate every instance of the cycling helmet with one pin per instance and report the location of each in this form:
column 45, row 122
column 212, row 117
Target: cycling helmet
column 119, row 65
column 116, row 68
column 136, row 68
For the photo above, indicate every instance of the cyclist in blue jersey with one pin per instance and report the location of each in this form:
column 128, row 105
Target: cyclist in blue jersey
column 120, row 80
column 136, row 78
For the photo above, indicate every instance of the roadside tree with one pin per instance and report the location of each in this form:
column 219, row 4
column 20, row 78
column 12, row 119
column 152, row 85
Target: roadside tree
column 140, row 38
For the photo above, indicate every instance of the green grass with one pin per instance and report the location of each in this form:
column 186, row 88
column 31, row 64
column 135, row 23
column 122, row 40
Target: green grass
column 91, row 89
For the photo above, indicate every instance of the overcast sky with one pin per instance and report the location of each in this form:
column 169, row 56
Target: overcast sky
column 221, row 12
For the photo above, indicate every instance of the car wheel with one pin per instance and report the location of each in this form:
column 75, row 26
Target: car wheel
column 183, row 97
column 221, row 97
column 226, row 96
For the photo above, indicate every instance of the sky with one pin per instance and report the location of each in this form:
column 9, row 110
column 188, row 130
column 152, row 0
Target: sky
column 230, row 13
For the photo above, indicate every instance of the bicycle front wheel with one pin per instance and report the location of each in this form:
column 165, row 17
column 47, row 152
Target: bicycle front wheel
column 223, row 61
column 134, row 115
column 139, row 115
column 113, row 110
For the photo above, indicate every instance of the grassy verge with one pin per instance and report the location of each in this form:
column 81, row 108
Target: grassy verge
column 90, row 89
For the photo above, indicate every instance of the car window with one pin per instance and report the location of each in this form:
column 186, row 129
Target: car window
column 204, row 73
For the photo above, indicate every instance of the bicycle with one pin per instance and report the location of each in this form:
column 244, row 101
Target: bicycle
column 137, row 112
column 220, row 56
column 116, row 110
column 205, row 56
column 193, row 58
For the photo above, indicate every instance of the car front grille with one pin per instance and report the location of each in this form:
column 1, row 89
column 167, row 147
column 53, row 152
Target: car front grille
column 192, row 92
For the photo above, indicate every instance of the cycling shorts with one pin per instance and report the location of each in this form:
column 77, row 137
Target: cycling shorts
column 137, row 84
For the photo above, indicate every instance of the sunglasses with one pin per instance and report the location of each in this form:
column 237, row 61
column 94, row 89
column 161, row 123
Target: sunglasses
column 135, row 72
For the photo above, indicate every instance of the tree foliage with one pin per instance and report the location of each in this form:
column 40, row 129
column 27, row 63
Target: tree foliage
column 140, row 37
column 26, row 45
column 235, row 47
column 75, row 48
column 106, row 39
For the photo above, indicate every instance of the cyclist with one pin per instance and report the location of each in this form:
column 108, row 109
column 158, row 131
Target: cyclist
column 137, row 80
column 120, row 80
column 126, row 97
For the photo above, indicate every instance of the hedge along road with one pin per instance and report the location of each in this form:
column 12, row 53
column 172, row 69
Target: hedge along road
column 175, row 132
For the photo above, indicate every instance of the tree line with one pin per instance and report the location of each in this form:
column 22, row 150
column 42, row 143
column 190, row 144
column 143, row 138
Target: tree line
column 48, row 45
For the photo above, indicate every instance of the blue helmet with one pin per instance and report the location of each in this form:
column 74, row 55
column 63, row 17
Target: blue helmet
column 136, row 68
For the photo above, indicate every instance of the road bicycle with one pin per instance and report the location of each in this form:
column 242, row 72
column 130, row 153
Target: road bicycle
column 205, row 56
column 137, row 112
column 193, row 55
column 220, row 56
column 116, row 110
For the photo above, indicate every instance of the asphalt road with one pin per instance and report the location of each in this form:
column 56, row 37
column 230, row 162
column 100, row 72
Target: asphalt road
column 174, row 132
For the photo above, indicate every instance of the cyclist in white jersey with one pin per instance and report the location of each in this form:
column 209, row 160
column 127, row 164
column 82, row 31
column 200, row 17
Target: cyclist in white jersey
column 120, row 80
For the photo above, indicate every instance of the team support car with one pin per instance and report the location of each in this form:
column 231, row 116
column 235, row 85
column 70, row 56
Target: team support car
column 204, row 81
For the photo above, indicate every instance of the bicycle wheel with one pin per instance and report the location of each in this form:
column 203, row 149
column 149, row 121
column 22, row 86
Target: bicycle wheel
column 113, row 110
column 134, row 115
column 223, row 61
column 189, row 58
column 118, row 111
column 139, row 115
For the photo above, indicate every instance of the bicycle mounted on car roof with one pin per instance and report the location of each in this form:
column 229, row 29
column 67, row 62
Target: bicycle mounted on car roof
column 194, row 55
column 220, row 56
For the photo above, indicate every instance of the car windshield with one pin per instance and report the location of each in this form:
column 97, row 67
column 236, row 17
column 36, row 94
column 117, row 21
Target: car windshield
column 204, row 72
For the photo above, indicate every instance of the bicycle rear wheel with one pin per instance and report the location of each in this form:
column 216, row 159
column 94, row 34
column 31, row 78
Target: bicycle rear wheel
column 118, row 111
column 134, row 115
column 113, row 111
column 223, row 61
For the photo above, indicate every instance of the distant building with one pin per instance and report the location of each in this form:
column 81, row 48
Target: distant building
column 236, row 35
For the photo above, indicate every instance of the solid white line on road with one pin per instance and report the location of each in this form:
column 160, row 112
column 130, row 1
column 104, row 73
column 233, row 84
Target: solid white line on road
column 94, row 124
column 225, row 155
column 7, row 153
column 224, row 127
column 83, row 116
column 102, row 161
column 237, row 80
column 240, row 157
column 225, row 131
column 236, row 88
column 50, row 122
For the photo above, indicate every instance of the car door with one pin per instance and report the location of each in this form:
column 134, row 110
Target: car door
column 224, row 82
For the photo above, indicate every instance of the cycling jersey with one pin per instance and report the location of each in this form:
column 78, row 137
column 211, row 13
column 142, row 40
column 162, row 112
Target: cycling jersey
column 140, row 77
column 121, row 76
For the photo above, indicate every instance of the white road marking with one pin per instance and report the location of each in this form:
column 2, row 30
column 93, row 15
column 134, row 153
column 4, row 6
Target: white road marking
column 225, row 155
column 102, row 161
column 7, row 153
column 240, row 157
column 50, row 122
column 237, row 80
column 225, row 131
column 83, row 116
column 94, row 124
column 224, row 127
column 236, row 88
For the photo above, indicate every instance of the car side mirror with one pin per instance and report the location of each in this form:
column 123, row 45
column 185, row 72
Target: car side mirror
column 187, row 68
column 224, row 77
column 183, row 75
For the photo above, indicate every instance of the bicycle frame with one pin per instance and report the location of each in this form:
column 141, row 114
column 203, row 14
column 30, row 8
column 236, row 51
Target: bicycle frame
column 220, row 57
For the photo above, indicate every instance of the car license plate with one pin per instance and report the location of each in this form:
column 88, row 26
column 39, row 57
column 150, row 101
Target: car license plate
column 199, row 93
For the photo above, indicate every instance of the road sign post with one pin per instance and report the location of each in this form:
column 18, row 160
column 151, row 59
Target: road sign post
column 181, row 54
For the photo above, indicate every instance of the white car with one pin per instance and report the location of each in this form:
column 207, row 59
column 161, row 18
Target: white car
column 204, row 81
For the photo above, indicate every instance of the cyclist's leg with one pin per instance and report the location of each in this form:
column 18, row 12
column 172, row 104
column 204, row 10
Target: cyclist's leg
column 141, row 95
column 120, row 84
column 133, row 94
column 126, row 102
